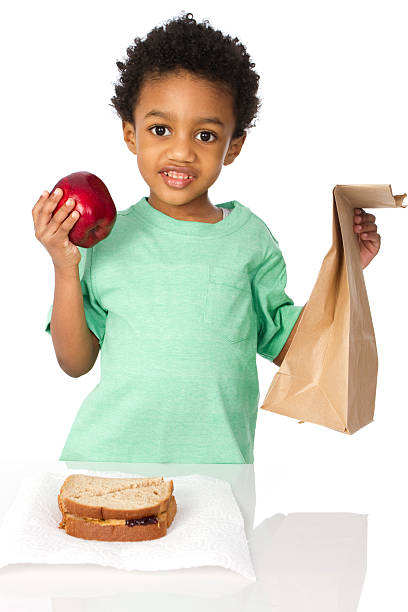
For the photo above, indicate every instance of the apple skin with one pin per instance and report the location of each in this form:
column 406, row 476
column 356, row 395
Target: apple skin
column 94, row 203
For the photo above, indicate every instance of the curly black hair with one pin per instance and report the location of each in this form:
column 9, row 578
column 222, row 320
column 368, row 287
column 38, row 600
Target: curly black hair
column 197, row 47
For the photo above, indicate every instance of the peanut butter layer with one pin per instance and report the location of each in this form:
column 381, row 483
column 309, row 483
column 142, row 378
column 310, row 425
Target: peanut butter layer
column 160, row 517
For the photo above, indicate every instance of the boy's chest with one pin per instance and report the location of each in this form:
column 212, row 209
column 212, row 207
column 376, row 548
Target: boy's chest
column 152, row 286
column 189, row 291
column 167, row 270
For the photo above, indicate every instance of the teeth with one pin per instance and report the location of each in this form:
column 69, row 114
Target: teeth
column 176, row 175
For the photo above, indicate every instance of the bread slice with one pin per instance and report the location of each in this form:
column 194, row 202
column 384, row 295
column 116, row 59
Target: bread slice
column 116, row 509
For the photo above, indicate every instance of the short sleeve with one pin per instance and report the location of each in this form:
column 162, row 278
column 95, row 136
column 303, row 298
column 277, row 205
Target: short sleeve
column 94, row 313
column 276, row 312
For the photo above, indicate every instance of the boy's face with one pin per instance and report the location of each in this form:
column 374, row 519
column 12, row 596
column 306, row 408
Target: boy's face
column 184, row 137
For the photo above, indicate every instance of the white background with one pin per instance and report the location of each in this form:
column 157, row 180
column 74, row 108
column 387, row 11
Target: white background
column 333, row 89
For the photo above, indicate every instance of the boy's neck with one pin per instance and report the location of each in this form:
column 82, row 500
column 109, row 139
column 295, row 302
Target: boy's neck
column 204, row 213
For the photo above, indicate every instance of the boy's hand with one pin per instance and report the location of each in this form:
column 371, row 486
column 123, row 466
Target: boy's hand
column 52, row 231
column 369, row 239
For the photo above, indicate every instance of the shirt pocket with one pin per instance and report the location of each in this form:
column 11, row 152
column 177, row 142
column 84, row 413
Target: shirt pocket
column 228, row 307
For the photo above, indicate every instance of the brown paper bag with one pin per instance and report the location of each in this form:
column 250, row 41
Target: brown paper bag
column 329, row 374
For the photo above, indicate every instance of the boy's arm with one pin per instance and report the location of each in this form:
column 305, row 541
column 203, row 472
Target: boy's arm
column 278, row 360
column 76, row 347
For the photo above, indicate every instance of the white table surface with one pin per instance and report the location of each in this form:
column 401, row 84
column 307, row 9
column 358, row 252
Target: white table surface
column 304, row 561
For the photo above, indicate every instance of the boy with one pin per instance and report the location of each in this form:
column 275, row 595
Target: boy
column 182, row 294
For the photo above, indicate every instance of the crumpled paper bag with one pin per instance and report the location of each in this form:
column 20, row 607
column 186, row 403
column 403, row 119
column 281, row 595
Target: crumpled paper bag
column 329, row 374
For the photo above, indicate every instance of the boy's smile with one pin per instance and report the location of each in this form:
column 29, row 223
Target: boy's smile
column 183, row 124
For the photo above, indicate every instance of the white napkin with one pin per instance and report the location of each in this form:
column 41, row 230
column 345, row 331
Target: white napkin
column 208, row 529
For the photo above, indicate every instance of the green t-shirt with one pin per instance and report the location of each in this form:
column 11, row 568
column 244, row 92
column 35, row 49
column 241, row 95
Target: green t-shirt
column 180, row 309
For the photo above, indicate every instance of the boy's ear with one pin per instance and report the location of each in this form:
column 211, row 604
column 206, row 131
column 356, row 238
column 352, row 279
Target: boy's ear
column 129, row 136
column 234, row 149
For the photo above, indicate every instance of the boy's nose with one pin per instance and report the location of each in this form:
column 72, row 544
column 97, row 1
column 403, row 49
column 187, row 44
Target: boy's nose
column 181, row 148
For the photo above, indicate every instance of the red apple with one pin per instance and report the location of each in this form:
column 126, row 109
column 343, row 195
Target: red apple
column 94, row 203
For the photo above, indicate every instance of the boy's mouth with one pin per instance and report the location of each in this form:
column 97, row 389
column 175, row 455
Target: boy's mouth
column 176, row 179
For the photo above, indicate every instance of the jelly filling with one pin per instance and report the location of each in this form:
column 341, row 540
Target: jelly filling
column 146, row 520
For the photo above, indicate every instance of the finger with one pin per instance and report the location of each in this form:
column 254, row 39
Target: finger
column 66, row 226
column 369, row 227
column 42, row 197
column 46, row 222
column 359, row 214
column 365, row 218
column 62, row 214
column 371, row 237
column 365, row 227
column 47, row 205
column 40, row 220
column 36, row 208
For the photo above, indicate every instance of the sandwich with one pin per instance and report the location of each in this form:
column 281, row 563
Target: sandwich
column 116, row 509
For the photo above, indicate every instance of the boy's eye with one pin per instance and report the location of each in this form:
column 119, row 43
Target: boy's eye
column 158, row 127
column 209, row 134
column 163, row 127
